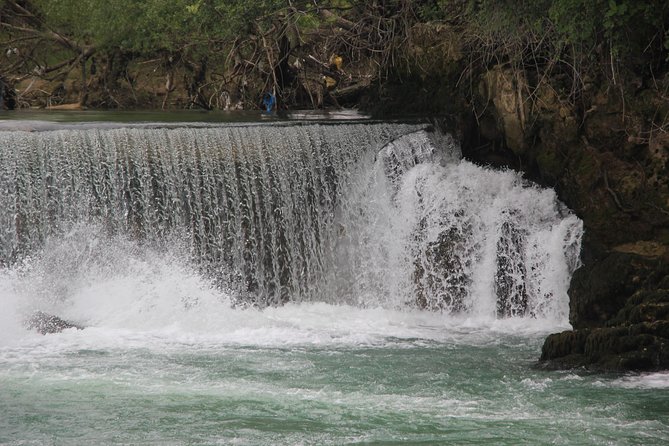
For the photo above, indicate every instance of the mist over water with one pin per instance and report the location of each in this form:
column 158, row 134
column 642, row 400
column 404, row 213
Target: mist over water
column 272, row 284
column 118, row 288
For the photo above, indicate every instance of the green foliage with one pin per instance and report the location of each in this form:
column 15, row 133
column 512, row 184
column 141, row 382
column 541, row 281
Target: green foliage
column 128, row 24
column 440, row 10
column 308, row 21
column 155, row 25
column 577, row 20
column 528, row 31
column 521, row 32
column 510, row 17
column 627, row 25
column 580, row 22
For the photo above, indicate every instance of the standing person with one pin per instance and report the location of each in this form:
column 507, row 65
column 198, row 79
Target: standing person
column 7, row 96
column 269, row 101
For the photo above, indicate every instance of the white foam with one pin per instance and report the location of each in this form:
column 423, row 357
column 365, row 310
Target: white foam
column 140, row 297
column 658, row 380
column 537, row 384
column 128, row 294
column 9, row 302
column 435, row 231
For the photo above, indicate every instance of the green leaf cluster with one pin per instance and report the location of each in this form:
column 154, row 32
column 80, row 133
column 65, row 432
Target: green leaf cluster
column 627, row 25
column 152, row 26
column 575, row 32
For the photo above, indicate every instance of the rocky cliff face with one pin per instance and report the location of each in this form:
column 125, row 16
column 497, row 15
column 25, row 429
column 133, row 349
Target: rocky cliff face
column 610, row 165
column 620, row 313
column 607, row 156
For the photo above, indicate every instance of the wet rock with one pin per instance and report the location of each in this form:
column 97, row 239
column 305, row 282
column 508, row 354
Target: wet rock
column 44, row 323
column 644, row 306
column 507, row 89
column 637, row 347
column 443, row 270
column 620, row 309
column 565, row 349
column 510, row 288
column 599, row 290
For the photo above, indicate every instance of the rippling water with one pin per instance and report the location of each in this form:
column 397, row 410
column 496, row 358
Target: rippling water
column 316, row 374
column 165, row 359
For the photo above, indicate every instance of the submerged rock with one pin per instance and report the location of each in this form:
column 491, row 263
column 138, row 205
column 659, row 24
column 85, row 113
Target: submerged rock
column 442, row 268
column 44, row 323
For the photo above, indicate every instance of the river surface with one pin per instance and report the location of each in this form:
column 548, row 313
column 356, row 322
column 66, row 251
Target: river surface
column 316, row 374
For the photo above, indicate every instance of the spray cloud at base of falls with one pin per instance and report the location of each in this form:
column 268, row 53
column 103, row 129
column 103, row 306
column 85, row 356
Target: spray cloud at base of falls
column 364, row 214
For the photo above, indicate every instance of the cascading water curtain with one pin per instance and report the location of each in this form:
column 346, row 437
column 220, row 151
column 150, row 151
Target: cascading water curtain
column 370, row 214
column 255, row 202
column 420, row 227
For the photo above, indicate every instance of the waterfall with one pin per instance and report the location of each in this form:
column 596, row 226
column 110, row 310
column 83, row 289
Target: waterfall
column 375, row 214
column 420, row 227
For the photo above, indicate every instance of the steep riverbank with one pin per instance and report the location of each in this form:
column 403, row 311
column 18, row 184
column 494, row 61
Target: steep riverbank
column 606, row 154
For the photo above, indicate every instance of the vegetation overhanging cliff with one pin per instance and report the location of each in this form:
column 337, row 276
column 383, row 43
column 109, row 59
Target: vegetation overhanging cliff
column 575, row 93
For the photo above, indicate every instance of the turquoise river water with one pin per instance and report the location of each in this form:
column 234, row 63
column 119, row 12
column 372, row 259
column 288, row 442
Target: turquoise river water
column 317, row 375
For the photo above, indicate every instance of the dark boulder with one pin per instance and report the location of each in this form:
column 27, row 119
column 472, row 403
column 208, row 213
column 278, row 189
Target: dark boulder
column 620, row 312
column 638, row 347
column 44, row 323
column 599, row 290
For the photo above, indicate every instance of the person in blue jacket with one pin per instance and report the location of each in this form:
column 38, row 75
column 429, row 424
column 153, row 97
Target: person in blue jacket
column 269, row 101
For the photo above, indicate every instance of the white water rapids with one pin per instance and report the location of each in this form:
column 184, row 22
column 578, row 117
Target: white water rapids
column 170, row 227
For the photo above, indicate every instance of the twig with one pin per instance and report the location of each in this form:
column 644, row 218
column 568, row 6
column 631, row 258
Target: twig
column 614, row 195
